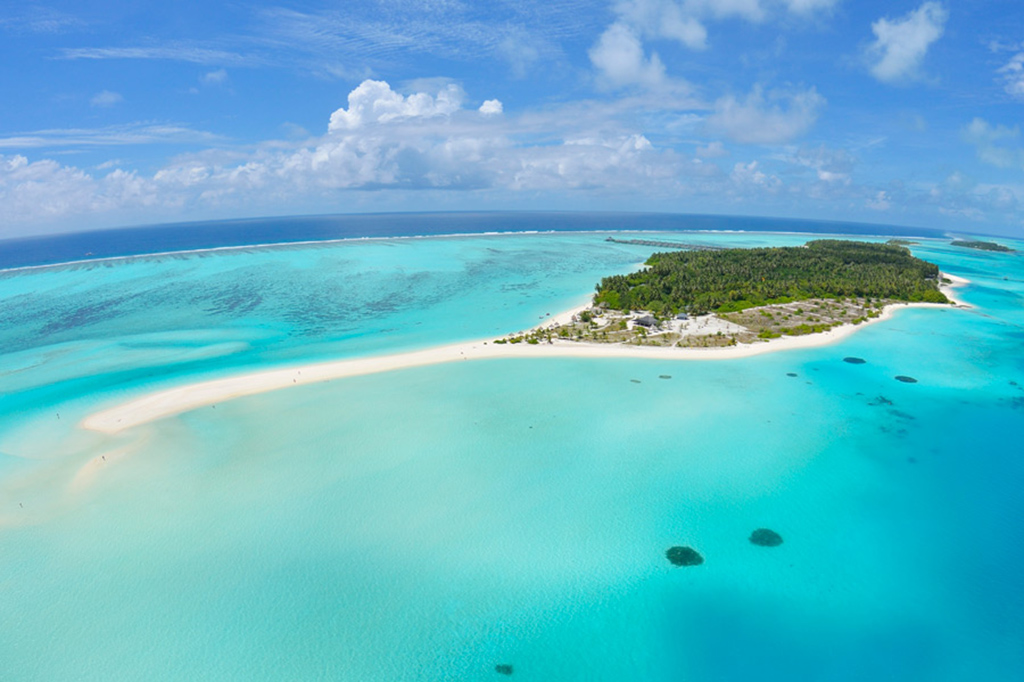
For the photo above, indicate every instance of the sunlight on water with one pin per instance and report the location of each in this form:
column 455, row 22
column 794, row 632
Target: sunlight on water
column 434, row 523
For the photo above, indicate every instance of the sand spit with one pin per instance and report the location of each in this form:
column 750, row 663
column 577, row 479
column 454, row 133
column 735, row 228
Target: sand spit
column 185, row 398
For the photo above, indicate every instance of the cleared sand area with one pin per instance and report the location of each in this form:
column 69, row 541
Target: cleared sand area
column 185, row 398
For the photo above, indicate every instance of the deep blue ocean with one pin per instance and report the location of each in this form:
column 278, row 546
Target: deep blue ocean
column 439, row 522
column 65, row 248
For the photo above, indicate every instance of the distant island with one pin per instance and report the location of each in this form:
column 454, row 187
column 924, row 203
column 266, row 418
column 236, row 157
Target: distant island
column 725, row 297
column 981, row 246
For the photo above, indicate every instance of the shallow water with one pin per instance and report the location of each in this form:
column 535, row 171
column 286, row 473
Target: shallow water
column 432, row 523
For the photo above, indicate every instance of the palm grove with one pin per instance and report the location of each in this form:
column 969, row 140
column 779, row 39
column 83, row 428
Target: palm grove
column 698, row 282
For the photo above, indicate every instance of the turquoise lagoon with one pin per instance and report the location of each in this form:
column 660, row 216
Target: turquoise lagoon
column 432, row 523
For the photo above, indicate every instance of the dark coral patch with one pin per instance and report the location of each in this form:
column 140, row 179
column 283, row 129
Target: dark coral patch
column 684, row 556
column 503, row 668
column 664, row 376
column 765, row 537
column 635, row 381
column 906, row 379
column 854, row 361
column 790, row 374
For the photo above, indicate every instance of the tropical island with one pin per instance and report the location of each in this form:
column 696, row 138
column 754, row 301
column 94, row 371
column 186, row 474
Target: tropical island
column 981, row 246
column 722, row 298
column 731, row 301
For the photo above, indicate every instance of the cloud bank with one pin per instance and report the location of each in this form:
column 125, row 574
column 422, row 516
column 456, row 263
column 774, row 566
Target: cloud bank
column 431, row 141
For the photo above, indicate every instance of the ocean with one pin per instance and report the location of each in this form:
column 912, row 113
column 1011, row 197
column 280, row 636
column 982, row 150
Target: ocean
column 442, row 522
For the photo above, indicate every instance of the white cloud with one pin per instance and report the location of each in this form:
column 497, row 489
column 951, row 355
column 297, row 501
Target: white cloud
column 995, row 144
column 181, row 52
column 374, row 102
column 663, row 19
column 751, row 174
column 713, row 150
column 684, row 20
column 809, row 6
column 830, row 166
column 218, row 77
column 106, row 99
column 901, row 44
column 521, row 50
column 879, row 202
column 425, row 145
column 133, row 133
column 382, row 140
column 766, row 119
column 961, row 196
column 1013, row 76
column 491, row 107
column 46, row 190
column 35, row 19
column 619, row 57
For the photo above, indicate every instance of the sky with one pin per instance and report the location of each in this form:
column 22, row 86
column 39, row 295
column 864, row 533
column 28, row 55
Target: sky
column 118, row 113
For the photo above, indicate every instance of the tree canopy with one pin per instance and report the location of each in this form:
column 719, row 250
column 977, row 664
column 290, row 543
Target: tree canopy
column 983, row 246
column 734, row 279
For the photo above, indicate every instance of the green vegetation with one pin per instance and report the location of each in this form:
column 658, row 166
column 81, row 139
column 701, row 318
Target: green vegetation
column 983, row 246
column 735, row 279
column 901, row 242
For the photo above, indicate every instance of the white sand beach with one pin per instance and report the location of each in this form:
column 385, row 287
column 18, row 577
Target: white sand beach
column 185, row 398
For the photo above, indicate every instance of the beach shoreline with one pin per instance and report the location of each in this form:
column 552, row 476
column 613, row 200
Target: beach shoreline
column 174, row 401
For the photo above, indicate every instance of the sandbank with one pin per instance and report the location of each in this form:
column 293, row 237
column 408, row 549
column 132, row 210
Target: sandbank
column 175, row 401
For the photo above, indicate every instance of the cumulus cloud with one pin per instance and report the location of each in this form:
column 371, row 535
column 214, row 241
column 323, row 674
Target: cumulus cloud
column 491, row 107
column 751, row 174
column 381, row 140
column 620, row 55
column 375, row 102
column 105, row 99
column 995, row 144
column 766, row 118
column 664, row 19
column 428, row 141
column 1012, row 75
column 620, row 59
column 41, row 191
column 684, row 20
column 901, row 44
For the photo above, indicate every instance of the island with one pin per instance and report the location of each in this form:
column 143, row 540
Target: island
column 753, row 305
column 981, row 246
column 705, row 298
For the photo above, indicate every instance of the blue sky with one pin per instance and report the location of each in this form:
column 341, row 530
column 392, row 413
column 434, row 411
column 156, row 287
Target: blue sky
column 117, row 113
